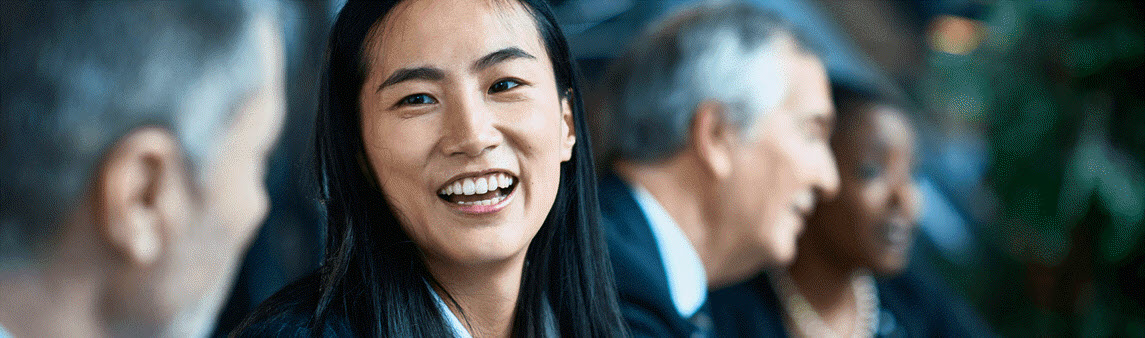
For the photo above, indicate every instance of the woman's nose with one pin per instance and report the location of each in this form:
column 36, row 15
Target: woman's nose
column 905, row 197
column 470, row 128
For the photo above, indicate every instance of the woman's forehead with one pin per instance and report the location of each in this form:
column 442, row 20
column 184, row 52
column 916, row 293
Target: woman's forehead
column 874, row 131
column 437, row 32
column 893, row 128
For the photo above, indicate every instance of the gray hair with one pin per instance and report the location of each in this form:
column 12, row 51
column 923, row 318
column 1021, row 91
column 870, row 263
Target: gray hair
column 78, row 76
column 721, row 52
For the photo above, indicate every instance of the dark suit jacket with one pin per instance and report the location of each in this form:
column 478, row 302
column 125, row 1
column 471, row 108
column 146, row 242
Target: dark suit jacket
column 914, row 304
column 641, row 281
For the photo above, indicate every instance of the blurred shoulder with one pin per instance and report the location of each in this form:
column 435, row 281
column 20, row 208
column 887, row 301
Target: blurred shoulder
column 747, row 309
column 924, row 303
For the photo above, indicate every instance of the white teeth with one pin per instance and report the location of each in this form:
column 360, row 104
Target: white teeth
column 482, row 185
column 478, row 185
column 468, row 187
column 805, row 200
column 490, row 201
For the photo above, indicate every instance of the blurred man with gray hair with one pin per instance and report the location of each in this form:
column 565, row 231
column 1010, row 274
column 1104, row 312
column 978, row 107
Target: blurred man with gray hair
column 133, row 142
column 716, row 124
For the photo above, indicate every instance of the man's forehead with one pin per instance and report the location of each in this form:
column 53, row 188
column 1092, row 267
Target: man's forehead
column 811, row 90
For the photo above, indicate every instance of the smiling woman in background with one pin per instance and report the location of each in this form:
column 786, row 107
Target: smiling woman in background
column 850, row 276
column 454, row 165
column 867, row 230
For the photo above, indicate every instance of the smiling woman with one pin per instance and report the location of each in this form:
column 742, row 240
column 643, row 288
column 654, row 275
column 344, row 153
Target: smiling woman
column 455, row 168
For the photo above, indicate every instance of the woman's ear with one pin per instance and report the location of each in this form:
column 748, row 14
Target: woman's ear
column 568, row 128
column 712, row 137
column 139, row 193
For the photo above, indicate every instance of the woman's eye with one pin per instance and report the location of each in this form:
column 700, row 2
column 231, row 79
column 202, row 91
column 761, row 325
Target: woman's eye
column 869, row 171
column 503, row 85
column 416, row 99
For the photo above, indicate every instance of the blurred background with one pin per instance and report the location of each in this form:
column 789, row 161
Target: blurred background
column 1031, row 158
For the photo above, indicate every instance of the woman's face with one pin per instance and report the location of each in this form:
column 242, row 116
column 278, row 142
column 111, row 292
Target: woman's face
column 871, row 223
column 464, row 126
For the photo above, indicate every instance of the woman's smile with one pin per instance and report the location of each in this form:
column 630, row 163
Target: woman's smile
column 481, row 193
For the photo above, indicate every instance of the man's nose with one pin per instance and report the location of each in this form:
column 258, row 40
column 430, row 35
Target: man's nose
column 826, row 179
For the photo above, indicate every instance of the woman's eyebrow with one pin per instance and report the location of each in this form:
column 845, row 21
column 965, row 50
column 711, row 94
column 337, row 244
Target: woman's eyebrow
column 502, row 55
column 436, row 74
column 408, row 74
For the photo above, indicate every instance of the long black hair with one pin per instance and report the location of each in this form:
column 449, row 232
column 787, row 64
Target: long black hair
column 373, row 276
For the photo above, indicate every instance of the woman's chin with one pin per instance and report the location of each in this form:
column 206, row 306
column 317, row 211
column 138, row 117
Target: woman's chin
column 489, row 243
column 488, row 255
column 892, row 263
column 485, row 233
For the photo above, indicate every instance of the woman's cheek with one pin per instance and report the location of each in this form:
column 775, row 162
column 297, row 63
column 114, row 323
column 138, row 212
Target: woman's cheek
column 874, row 198
column 537, row 129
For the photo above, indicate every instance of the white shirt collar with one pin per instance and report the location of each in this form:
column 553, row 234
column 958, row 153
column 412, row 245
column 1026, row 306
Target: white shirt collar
column 687, row 282
column 459, row 330
column 4, row 333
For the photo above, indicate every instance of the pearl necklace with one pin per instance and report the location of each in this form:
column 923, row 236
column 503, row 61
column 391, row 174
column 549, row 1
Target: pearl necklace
column 802, row 319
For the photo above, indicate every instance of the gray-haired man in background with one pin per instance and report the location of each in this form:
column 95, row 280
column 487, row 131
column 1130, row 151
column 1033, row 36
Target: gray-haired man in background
column 133, row 142
column 716, row 123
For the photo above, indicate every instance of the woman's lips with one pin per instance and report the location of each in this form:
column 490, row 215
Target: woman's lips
column 482, row 194
column 897, row 235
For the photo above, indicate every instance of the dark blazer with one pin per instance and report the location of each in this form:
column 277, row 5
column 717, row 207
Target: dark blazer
column 747, row 309
column 642, row 283
column 913, row 304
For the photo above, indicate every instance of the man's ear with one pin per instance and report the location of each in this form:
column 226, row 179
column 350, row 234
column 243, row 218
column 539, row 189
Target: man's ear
column 712, row 138
column 138, row 188
column 568, row 129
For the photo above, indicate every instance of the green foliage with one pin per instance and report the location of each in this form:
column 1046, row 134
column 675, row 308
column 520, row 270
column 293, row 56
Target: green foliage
column 1057, row 90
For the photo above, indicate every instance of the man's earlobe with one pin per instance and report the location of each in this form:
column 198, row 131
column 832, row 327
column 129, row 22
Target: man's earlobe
column 139, row 188
column 711, row 137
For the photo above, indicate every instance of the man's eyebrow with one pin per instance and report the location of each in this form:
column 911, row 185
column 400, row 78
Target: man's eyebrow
column 407, row 74
column 505, row 54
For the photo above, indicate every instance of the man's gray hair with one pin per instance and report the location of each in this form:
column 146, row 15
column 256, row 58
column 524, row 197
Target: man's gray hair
column 720, row 52
column 78, row 76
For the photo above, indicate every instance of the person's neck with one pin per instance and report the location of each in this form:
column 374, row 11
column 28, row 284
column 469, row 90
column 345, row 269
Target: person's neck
column 827, row 284
column 59, row 298
column 487, row 294
column 680, row 189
